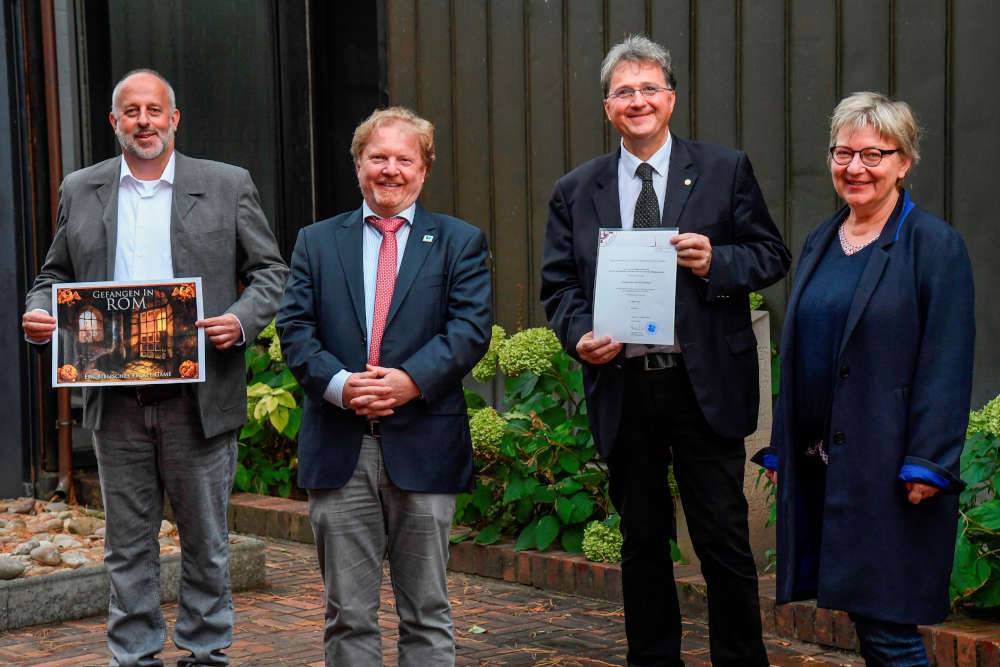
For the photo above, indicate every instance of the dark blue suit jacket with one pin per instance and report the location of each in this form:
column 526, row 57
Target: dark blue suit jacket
column 901, row 395
column 437, row 328
column 711, row 190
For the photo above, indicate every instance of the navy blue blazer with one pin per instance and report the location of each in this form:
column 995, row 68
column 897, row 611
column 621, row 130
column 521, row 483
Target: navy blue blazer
column 901, row 396
column 711, row 190
column 438, row 327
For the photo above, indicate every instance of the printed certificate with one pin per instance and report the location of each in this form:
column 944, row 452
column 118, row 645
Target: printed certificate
column 636, row 285
column 127, row 333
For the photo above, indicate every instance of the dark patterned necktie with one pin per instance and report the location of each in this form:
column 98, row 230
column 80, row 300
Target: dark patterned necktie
column 647, row 208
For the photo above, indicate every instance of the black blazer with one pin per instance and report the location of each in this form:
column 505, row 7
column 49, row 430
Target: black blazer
column 711, row 190
column 438, row 327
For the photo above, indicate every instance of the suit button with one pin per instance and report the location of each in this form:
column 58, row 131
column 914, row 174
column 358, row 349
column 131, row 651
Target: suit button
column 619, row 367
column 839, row 438
column 844, row 371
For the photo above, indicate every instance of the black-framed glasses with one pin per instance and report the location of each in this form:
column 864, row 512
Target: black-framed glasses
column 626, row 94
column 870, row 157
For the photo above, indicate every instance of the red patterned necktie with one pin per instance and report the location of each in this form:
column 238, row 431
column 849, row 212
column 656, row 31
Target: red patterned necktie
column 385, row 280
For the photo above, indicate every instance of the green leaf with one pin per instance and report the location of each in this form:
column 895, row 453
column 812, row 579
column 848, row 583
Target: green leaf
column 569, row 462
column 572, row 539
column 675, row 553
column 489, row 534
column 568, row 486
column 514, row 488
column 294, row 422
column 285, row 399
column 258, row 390
column 554, row 416
column 476, row 630
column 250, row 429
column 583, row 507
column 543, row 494
column 482, row 497
column 547, row 531
column 527, row 539
column 455, row 539
column 260, row 363
column 242, row 479
column 473, row 401
column 985, row 517
column 523, row 511
column 520, row 386
column 285, row 489
column 969, row 571
column 564, row 509
column 279, row 418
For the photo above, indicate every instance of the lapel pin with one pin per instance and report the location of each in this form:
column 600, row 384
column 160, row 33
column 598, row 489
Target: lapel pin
column 428, row 238
column 687, row 181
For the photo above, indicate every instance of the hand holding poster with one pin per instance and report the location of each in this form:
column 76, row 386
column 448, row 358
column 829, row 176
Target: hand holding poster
column 139, row 332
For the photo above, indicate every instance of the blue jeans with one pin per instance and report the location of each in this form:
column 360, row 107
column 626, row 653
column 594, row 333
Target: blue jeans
column 888, row 644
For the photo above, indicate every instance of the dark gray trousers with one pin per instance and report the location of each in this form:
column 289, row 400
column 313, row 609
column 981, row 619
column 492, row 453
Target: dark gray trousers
column 142, row 452
column 355, row 527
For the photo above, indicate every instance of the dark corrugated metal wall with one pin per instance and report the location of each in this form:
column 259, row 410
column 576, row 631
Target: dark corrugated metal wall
column 512, row 86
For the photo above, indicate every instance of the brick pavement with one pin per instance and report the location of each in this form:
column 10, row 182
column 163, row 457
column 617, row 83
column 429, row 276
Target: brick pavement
column 282, row 625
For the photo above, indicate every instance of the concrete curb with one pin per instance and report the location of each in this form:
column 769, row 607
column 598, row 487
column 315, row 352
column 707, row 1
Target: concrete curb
column 70, row 594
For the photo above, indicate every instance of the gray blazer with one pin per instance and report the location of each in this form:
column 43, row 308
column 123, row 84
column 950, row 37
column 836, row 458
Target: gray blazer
column 217, row 231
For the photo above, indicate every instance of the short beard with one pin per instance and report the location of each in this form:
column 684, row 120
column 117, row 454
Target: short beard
column 128, row 143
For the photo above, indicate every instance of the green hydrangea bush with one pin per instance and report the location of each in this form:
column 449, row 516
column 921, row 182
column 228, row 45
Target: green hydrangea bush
column 975, row 578
column 538, row 474
column 602, row 540
column 266, row 456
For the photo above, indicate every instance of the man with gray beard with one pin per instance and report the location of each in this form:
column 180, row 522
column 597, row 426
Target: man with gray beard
column 155, row 214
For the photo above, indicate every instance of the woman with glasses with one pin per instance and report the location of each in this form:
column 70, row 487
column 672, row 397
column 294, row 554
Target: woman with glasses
column 876, row 377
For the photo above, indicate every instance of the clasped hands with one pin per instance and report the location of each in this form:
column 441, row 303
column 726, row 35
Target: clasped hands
column 377, row 390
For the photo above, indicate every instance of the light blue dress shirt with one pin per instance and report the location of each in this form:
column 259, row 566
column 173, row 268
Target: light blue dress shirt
column 370, row 247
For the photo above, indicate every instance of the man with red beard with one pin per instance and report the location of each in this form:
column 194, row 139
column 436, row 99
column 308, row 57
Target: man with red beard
column 154, row 214
column 386, row 309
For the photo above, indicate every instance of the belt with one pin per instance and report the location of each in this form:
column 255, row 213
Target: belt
column 151, row 394
column 373, row 428
column 654, row 361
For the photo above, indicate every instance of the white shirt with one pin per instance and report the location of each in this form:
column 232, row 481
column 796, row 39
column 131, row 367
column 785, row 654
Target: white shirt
column 143, row 250
column 371, row 244
column 629, row 187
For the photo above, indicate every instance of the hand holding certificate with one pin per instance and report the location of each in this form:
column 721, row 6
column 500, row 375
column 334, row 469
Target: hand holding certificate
column 635, row 288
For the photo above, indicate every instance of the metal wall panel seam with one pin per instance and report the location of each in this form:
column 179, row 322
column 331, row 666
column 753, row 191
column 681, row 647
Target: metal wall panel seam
column 453, row 78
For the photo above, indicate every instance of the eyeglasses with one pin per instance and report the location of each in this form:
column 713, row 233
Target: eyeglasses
column 870, row 157
column 626, row 94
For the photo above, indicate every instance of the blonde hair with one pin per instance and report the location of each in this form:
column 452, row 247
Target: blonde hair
column 421, row 127
column 892, row 119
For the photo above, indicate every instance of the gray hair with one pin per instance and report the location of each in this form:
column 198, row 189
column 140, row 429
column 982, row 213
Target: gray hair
column 118, row 89
column 637, row 49
column 891, row 119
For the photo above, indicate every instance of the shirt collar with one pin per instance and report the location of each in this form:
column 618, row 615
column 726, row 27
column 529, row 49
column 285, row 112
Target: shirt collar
column 660, row 160
column 167, row 175
column 407, row 213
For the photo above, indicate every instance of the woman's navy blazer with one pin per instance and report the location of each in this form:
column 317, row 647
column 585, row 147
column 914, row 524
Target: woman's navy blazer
column 901, row 394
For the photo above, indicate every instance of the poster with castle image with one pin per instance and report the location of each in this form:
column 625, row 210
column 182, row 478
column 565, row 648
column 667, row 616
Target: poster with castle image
column 127, row 333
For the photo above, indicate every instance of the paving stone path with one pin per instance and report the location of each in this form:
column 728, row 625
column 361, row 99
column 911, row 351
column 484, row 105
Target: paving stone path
column 282, row 625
